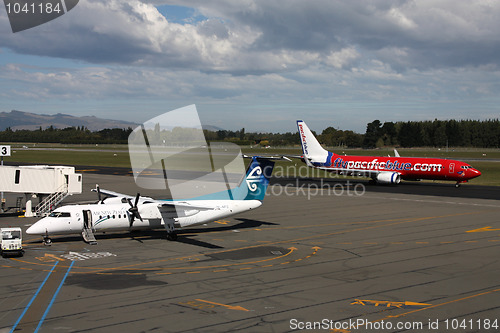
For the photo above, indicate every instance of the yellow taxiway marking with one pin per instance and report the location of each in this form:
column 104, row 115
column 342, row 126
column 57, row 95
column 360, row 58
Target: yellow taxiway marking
column 489, row 228
column 213, row 269
column 230, row 307
column 438, row 305
column 50, row 258
column 391, row 223
column 96, row 270
column 388, row 303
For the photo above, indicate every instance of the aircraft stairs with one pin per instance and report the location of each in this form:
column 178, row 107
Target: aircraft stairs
column 47, row 205
column 88, row 236
column 87, row 232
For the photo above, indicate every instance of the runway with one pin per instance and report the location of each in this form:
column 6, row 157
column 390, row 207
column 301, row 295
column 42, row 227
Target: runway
column 386, row 259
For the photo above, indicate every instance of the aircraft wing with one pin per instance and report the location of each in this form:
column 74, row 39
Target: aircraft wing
column 381, row 176
column 353, row 172
column 162, row 204
column 271, row 157
column 113, row 194
column 181, row 204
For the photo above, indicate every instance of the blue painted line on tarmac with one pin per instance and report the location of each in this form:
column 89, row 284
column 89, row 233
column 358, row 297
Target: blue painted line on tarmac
column 32, row 299
column 53, row 298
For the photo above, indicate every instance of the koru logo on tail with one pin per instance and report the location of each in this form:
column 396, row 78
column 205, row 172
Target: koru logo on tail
column 253, row 178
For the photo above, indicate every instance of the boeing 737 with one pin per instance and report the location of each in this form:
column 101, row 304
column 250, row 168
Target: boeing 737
column 117, row 213
column 384, row 170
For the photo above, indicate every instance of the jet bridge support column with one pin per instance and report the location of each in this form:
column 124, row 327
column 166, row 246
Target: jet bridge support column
column 29, row 204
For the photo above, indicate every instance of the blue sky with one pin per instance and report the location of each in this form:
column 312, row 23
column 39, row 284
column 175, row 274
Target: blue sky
column 259, row 64
column 180, row 14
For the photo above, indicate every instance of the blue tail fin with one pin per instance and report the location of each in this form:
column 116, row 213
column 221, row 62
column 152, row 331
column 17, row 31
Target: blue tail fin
column 252, row 186
column 256, row 181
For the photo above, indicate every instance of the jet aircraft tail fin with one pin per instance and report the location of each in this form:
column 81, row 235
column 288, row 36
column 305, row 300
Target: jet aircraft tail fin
column 312, row 149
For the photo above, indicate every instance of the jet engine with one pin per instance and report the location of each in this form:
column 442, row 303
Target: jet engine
column 388, row 178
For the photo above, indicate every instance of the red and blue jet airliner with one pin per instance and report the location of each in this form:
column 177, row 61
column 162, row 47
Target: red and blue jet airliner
column 385, row 170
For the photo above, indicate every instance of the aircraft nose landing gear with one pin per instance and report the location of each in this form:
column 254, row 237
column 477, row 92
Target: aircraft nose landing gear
column 46, row 239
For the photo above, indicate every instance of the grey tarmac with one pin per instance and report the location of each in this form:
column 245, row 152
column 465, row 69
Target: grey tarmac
column 310, row 258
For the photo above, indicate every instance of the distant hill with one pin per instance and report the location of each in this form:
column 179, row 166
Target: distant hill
column 211, row 128
column 31, row 121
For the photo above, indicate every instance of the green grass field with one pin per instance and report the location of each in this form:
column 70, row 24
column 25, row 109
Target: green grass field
column 485, row 160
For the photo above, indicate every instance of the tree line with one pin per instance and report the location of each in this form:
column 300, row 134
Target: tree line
column 69, row 135
column 436, row 133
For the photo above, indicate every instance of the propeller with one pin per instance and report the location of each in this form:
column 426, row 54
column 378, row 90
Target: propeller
column 98, row 193
column 134, row 211
column 99, row 196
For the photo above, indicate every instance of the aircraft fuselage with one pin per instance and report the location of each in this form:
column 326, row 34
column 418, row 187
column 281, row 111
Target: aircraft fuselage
column 409, row 168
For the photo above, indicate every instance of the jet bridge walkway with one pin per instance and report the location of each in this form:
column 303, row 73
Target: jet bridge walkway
column 49, row 184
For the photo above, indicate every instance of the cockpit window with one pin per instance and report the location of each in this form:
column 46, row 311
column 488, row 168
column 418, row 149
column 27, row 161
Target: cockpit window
column 59, row 214
column 465, row 167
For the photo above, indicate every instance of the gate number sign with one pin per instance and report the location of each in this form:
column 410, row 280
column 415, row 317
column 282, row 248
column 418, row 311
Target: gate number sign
column 4, row 150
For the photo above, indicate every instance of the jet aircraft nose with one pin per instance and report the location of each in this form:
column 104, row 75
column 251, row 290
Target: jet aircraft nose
column 474, row 173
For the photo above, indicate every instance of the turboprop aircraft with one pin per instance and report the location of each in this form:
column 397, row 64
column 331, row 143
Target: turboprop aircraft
column 117, row 213
column 384, row 170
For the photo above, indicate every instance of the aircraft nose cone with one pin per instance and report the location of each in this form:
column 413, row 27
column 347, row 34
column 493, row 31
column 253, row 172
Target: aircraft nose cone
column 475, row 173
column 36, row 229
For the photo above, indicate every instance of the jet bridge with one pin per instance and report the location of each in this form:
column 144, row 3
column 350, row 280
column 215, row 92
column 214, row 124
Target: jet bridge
column 49, row 184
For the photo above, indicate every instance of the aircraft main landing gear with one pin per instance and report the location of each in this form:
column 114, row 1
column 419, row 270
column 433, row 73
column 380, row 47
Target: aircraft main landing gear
column 172, row 236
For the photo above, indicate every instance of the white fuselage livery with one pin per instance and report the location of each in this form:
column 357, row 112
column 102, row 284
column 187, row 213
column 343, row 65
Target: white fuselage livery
column 121, row 212
column 116, row 217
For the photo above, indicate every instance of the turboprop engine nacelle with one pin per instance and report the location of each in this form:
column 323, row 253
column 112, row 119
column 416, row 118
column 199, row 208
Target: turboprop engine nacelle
column 388, row 178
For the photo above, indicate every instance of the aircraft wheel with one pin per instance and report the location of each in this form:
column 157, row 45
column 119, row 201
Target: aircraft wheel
column 171, row 236
column 47, row 241
column 457, row 185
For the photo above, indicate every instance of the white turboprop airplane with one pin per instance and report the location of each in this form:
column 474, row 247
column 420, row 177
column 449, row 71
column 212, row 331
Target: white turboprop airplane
column 117, row 213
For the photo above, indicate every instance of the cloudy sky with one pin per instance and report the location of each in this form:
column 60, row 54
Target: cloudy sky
column 259, row 64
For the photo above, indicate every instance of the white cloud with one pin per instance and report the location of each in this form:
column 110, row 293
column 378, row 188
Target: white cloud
column 343, row 58
column 257, row 52
column 400, row 19
column 261, row 36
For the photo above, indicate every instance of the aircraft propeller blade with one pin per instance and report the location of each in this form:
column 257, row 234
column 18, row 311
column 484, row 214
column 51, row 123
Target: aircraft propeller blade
column 137, row 199
column 98, row 190
column 134, row 211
